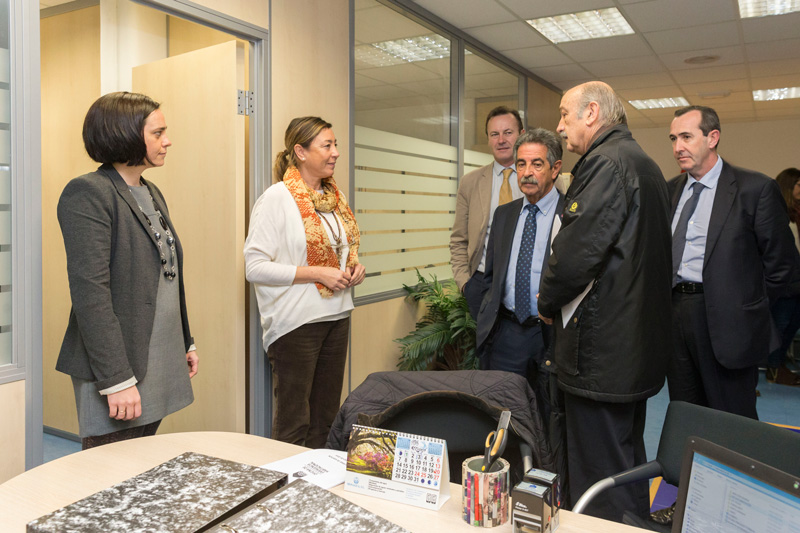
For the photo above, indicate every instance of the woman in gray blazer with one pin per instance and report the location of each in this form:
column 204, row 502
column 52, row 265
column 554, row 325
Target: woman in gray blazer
column 128, row 347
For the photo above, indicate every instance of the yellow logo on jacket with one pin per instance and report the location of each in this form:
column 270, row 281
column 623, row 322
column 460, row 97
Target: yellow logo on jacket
column 573, row 207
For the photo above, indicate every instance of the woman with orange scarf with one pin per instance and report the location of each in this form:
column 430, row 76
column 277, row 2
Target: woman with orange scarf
column 302, row 256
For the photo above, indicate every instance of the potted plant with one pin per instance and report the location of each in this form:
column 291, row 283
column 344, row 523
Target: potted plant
column 444, row 339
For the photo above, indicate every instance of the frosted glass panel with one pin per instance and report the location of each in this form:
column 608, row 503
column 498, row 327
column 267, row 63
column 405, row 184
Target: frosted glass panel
column 6, row 314
column 405, row 204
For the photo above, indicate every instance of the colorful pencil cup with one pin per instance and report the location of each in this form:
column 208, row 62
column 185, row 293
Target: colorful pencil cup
column 485, row 494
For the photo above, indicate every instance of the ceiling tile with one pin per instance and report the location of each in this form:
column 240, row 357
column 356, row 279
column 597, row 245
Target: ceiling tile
column 656, row 79
column 769, row 68
column 667, row 14
column 600, row 49
column 695, row 89
column 731, row 55
column 667, row 91
column 786, row 49
column 726, row 72
column 683, row 39
column 399, row 73
column 526, row 9
column 775, row 82
column 508, row 36
column 539, row 56
column 468, row 13
column 383, row 24
column 770, row 28
column 620, row 67
column 562, row 73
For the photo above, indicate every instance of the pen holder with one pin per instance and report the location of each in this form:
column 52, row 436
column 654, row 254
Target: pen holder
column 485, row 494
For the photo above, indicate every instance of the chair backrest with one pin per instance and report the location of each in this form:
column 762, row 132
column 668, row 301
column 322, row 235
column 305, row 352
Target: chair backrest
column 775, row 446
column 461, row 419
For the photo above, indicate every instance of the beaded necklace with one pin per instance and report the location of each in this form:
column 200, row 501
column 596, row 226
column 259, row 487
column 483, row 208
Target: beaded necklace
column 169, row 271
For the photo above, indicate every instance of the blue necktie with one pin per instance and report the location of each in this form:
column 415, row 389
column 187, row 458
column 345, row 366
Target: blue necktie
column 522, row 279
column 679, row 236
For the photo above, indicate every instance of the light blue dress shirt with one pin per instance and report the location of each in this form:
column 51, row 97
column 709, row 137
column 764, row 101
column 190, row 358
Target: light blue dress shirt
column 497, row 182
column 691, row 266
column 544, row 222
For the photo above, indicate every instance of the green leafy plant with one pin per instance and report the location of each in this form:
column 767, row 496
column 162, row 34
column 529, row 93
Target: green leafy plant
column 444, row 339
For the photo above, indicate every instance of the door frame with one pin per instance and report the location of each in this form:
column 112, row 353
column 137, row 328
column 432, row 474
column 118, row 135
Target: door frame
column 259, row 379
column 26, row 82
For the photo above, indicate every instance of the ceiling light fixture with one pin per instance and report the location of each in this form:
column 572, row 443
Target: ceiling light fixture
column 766, row 8
column 768, row 95
column 408, row 50
column 584, row 25
column 701, row 60
column 659, row 103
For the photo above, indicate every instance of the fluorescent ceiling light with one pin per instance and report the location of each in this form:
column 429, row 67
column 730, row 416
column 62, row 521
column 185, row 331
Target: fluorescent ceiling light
column 409, row 50
column 584, row 25
column 659, row 103
column 765, row 8
column 785, row 93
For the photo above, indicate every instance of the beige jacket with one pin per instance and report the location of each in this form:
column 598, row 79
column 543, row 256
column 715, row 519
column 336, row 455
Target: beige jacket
column 473, row 205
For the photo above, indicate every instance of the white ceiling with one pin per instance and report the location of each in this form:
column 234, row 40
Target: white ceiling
column 756, row 53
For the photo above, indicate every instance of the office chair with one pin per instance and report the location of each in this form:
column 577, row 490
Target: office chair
column 775, row 446
column 462, row 420
column 433, row 401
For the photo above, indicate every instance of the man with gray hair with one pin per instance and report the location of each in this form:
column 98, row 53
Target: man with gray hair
column 607, row 288
column 510, row 335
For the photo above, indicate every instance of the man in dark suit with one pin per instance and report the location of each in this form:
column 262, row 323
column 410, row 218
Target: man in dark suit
column 732, row 255
column 510, row 335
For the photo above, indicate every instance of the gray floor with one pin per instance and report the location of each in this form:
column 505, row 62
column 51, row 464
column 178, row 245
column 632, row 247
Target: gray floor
column 778, row 404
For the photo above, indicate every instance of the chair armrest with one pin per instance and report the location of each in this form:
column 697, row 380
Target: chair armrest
column 638, row 473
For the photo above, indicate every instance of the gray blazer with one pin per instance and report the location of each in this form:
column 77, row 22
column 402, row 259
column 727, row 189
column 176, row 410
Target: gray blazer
column 113, row 265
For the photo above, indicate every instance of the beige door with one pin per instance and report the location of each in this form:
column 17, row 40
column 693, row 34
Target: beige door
column 204, row 184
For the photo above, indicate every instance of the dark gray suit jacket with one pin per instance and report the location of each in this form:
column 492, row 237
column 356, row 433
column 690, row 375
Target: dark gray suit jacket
column 750, row 259
column 498, row 256
column 114, row 266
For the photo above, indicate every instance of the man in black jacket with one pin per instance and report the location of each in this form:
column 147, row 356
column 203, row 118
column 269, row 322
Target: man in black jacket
column 607, row 287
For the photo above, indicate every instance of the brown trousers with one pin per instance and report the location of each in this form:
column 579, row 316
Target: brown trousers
column 308, row 370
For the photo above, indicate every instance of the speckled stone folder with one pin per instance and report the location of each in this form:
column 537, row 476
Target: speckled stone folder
column 190, row 493
column 303, row 506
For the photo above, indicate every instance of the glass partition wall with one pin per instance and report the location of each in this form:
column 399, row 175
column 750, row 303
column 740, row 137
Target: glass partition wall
column 410, row 109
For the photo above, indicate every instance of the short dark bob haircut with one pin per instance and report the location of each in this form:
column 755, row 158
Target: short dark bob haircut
column 113, row 131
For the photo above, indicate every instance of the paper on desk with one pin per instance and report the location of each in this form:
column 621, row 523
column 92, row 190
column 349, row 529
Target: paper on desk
column 568, row 310
column 324, row 468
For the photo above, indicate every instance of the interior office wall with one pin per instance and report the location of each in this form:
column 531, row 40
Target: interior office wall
column 70, row 75
column 130, row 35
column 12, row 435
column 310, row 42
column 768, row 146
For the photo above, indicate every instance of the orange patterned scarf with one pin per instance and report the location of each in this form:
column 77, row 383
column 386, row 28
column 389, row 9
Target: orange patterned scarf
column 318, row 246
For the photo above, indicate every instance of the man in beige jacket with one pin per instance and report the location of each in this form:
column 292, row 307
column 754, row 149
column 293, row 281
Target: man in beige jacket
column 479, row 194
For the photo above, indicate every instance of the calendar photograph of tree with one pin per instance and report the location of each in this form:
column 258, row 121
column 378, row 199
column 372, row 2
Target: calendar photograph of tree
column 371, row 452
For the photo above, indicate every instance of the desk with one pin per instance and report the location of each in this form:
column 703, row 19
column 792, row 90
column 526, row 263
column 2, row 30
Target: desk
column 58, row 483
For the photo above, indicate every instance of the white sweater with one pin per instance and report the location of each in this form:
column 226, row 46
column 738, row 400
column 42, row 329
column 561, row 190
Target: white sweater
column 275, row 247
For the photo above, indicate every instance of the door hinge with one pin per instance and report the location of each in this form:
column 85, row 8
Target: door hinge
column 245, row 102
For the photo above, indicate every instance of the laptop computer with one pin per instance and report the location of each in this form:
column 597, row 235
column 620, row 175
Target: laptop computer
column 723, row 491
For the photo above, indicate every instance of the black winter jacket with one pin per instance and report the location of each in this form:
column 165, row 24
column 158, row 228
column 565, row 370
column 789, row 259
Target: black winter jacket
column 616, row 233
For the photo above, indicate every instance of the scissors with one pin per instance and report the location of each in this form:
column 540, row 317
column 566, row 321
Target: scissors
column 496, row 442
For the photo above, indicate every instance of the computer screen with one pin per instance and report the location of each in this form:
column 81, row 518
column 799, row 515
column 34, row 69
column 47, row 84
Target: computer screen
column 720, row 498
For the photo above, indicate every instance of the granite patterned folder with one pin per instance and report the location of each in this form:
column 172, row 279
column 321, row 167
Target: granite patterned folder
column 190, row 493
column 303, row 506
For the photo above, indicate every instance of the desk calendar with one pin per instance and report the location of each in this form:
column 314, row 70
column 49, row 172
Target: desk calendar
column 397, row 466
